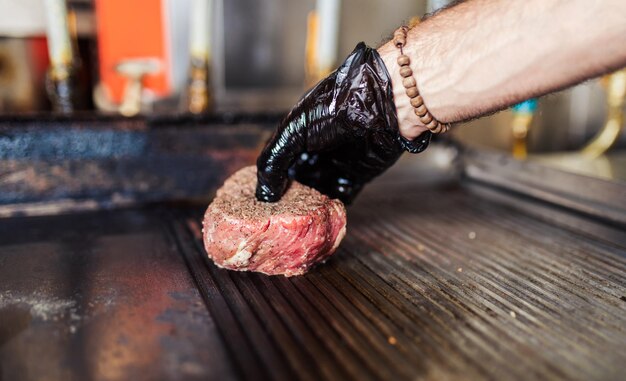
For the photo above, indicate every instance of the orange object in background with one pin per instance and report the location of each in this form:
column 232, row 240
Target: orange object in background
column 132, row 30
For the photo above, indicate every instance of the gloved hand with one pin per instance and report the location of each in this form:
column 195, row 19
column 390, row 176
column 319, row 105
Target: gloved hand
column 340, row 135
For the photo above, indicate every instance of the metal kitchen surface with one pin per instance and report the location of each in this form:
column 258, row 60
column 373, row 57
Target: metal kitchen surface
column 432, row 282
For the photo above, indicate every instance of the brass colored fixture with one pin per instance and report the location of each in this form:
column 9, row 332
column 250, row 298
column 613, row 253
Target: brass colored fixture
column 312, row 72
column 62, row 83
column 199, row 95
column 522, row 118
column 616, row 93
column 321, row 41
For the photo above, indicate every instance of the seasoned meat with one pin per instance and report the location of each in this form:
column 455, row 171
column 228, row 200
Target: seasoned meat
column 286, row 237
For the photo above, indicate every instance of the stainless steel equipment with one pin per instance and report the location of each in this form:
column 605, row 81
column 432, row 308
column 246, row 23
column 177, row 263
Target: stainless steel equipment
column 464, row 265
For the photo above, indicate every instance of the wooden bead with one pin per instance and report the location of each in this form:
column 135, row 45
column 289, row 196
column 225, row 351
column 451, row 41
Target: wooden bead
column 405, row 71
column 433, row 126
column 420, row 110
column 409, row 82
column 410, row 85
column 417, row 101
column 399, row 38
column 412, row 92
column 399, row 32
column 426, row 118
column 404, row 60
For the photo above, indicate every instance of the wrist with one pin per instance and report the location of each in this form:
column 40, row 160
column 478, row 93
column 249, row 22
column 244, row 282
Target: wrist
column 409, row 124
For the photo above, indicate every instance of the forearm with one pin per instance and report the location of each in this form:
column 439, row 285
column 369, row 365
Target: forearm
column 485, row 55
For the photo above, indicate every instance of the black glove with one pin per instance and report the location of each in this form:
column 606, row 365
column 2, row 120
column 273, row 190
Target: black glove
column 340, row 135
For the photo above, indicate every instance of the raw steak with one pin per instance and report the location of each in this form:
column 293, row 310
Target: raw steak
column 286, row 237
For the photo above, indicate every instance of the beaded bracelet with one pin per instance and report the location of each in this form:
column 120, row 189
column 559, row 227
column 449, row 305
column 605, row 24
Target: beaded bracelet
column 410, row 85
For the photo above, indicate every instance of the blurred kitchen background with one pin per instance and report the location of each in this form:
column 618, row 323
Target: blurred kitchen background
column 201, row 56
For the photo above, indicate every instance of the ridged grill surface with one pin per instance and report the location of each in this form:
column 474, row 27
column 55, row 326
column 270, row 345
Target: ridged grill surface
column 430, row 283
column 436, row 284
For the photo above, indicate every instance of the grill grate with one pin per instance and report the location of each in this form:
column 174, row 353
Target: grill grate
column 429, row 284
column 452, row 286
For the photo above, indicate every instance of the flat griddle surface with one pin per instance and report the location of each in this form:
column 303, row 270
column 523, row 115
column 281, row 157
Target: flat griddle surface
column 430, row 283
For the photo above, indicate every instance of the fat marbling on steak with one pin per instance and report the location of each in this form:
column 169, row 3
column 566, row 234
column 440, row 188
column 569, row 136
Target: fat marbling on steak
column 286, row 237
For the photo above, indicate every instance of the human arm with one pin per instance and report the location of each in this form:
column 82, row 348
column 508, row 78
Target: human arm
column 477, row 57
column 482, row 56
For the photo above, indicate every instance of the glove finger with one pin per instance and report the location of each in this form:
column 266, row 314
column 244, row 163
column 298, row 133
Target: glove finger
column 277, row 156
